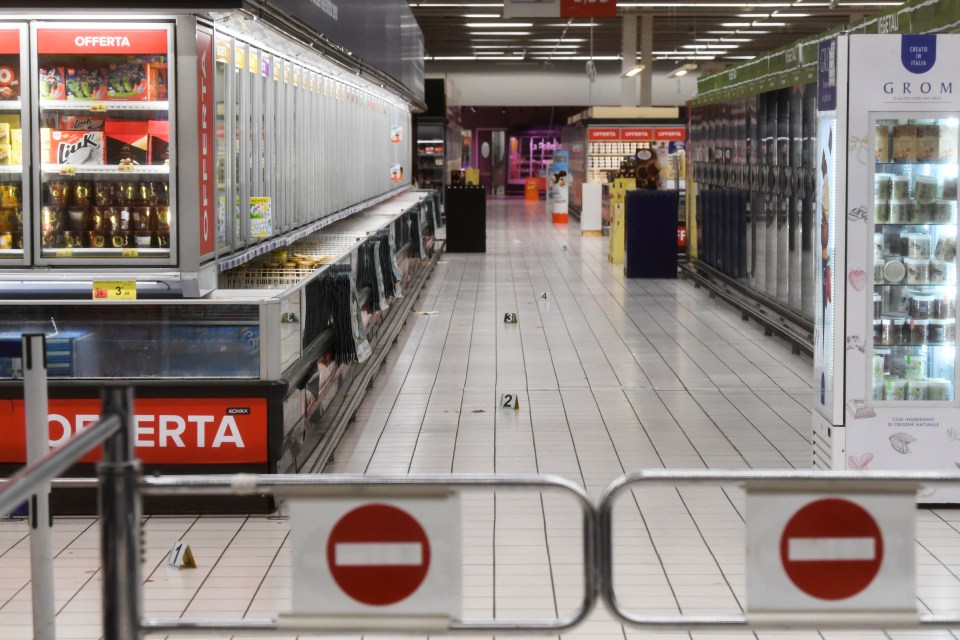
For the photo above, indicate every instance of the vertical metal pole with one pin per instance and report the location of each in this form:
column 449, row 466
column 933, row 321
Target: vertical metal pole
column 646, row 59
column 41, row 522
column 628, row 86
column 120, row 518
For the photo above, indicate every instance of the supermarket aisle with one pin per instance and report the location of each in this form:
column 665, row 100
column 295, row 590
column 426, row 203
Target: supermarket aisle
column 612, row 376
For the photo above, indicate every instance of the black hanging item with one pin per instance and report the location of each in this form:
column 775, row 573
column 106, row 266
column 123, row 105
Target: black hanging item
column 366, row 272
column 386, row 264
column 341, row 301
column 416, row 239
column 318, row 313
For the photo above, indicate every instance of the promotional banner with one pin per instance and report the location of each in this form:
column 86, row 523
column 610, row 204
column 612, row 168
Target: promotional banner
column 168, row 431
column 560, row 9
column 558, row 185
column 205, row 138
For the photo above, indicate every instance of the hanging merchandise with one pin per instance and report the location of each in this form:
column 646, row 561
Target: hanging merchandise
column 362, row 349
column 350, row 343
column 384, row 256
column 393, row 266
column 380, row 287
column 367, row 275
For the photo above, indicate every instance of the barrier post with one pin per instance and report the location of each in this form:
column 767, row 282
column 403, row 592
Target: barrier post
column 120, row 520
column 41, row 522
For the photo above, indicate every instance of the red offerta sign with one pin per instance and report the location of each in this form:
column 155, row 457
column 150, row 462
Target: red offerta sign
column 597, row 135
column 588, row 8
column 205, row 140
column 96, row 41
column 9, row 41
column 636, row 134
column 670, row 134
column 168, row 431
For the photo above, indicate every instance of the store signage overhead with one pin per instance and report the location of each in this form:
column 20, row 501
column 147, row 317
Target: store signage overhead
column 560, row 9
column 606, row 134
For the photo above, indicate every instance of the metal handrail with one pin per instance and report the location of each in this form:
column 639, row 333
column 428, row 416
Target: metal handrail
column 291, row 485
column 21, row 485
column 807, row 480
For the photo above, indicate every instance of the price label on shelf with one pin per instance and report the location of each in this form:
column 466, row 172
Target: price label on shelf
column 114, row 289
column 68, row 170
column 98, row 107
column 125, row 167
column 64, row 253
column 129, row 253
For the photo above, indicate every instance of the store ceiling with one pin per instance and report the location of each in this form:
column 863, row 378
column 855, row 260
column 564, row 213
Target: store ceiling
column 705, row 32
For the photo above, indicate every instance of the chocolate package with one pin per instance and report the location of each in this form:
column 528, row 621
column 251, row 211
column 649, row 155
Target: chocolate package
column 127, row 142
column 159, row 141
column 85, row 84
column 127, row 81
column 82, row 123
column 52, row 86
column 157, row 81
column 9, row 77
column 76, row 147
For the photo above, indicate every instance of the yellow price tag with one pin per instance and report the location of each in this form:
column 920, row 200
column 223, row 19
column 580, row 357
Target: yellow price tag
column 129, row 253
column 64, row 253
column 99, row 107
column 114, row 290
column 68, row 170
column 125, row 167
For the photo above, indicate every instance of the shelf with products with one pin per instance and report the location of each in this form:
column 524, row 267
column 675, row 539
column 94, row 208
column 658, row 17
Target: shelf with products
column 11, row 169
column 11, row 105
column 105, row 169
column 914, row 206
column 105, row 105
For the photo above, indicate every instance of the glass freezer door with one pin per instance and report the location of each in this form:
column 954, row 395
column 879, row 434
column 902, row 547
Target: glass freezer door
column 106, row 149
column 914, row 216
column 14, row 246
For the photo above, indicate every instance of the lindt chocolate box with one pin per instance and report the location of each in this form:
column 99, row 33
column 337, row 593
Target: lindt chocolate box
column 127, row 141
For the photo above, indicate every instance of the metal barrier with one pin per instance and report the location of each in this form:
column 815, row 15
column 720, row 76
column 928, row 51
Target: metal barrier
column 814, row 481
column 288, row 486
column 119, row 504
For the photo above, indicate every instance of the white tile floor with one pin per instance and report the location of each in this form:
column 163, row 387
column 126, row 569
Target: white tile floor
column 613, row 375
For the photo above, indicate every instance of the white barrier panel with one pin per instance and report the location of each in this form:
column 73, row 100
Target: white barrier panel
column 362, row 557
column 591, row 210
column 811, row 554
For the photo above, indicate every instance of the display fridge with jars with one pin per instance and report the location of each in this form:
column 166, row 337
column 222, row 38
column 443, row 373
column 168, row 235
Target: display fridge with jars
column 886, row 358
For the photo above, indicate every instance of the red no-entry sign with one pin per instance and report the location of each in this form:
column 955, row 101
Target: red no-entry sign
column 378, row 554
column 831, row 549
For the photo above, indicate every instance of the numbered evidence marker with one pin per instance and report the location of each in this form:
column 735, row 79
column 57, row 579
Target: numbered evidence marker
column 180, row 556
column 511, row 318
column 509, row 401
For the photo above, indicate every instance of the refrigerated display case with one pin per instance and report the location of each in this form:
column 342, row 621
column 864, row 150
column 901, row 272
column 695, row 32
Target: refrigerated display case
column 175, row 191
column 752, row 218
column 94, row 178
column 14, row 181
column 106, row 190
column 887, row 285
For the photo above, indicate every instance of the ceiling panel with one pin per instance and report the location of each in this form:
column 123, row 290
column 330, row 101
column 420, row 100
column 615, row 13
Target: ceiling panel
column 714, row 31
